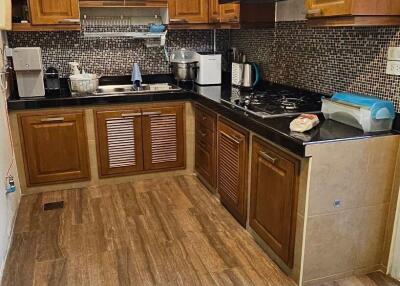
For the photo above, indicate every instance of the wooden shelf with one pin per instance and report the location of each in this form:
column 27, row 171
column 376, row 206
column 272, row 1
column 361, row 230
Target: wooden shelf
column 354, row 21
column 123, row 4
column 28, row 27
column 218, row 26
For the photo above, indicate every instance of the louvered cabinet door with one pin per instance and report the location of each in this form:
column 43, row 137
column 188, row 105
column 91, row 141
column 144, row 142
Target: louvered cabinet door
column 119, row 139
column 232, row 169
column 163, row 137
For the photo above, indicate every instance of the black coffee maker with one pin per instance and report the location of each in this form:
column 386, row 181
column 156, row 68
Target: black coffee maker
column 52, row 83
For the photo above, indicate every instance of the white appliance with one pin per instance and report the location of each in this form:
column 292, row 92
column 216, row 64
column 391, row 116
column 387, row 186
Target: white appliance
column 5, row 15
column 29, row 70
column 210, row 71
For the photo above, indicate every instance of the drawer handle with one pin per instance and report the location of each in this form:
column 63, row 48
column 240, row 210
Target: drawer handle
column 268, row 157
column 53, row 119
column 131, row 114
column 203, row 134
column 314, row 12
column 69, row 21
column 177, row 20
column 152, row 113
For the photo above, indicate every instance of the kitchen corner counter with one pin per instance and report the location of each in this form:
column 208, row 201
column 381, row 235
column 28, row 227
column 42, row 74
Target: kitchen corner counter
column 275, row 129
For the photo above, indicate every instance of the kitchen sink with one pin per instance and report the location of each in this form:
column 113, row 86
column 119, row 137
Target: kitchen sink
column 130, row 89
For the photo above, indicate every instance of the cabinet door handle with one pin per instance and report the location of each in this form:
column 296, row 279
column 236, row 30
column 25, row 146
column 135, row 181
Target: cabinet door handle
column 152, row 113
column 69, row 21
column 314, row 12
column 53, row 119
column 177, row 20
column 131, row 114
column 233, row 138
column 268, row 157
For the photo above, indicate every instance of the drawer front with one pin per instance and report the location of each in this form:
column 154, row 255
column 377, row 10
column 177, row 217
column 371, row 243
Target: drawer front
column 205, row 136
column 205, row 118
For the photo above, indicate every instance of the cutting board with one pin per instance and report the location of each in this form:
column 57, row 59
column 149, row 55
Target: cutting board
column 5, row 14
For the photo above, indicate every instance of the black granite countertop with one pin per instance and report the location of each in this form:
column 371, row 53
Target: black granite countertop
column 274, row 129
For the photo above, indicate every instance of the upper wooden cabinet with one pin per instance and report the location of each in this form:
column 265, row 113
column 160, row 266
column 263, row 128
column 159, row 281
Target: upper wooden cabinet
column 46, row 15
column 50, row 12
column 203, row 14
column 55, row 147
column 188, row 11
column 232, row 168
column 229, row 13
column 273, row 198
column 214, row 16
column 353, row 12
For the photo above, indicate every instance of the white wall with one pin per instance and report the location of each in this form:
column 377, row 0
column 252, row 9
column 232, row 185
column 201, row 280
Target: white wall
column 8, row 203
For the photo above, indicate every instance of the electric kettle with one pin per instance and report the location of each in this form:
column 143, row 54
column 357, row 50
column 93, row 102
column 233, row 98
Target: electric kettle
column 245, row 75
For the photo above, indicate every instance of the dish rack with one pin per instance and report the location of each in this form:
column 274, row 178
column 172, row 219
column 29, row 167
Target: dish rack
column 120, row 27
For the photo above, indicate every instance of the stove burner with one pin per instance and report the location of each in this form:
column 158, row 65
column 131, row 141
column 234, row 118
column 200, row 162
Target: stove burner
column 292, row 103
column 276, row 100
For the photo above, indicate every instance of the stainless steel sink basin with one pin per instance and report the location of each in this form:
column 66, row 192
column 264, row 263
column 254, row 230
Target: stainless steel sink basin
column 130, row 89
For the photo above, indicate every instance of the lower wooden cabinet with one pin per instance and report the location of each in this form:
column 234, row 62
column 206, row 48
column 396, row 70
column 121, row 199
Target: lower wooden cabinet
column 140, row 139
column 163, row 137
column 55, row 147
column 273, row 203
column 119, row 141
column 232, row 169
column 206, row 146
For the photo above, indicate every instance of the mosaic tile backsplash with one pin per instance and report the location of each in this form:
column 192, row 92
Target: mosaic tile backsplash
column 324, row 59
column 109, row 56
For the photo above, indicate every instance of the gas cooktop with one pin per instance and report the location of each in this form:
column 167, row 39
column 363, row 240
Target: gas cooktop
column 275, row 101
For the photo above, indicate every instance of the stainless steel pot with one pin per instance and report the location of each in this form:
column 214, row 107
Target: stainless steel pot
column 184, row 71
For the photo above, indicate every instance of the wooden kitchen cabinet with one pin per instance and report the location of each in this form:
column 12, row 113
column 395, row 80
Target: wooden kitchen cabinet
column 232, row 168
column 230, row 13
column 209, row 14
column 273, row 198
column 50, row 12
column 163, row 137
column 140, row 139
column 353, row 12
column 214, row 15
column 119, row 141
column 206, row 146
column 188, row 11
column 46, row 15
column 54, row 147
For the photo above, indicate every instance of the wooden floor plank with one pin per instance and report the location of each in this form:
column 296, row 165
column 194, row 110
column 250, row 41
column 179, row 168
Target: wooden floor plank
column 169, row 231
